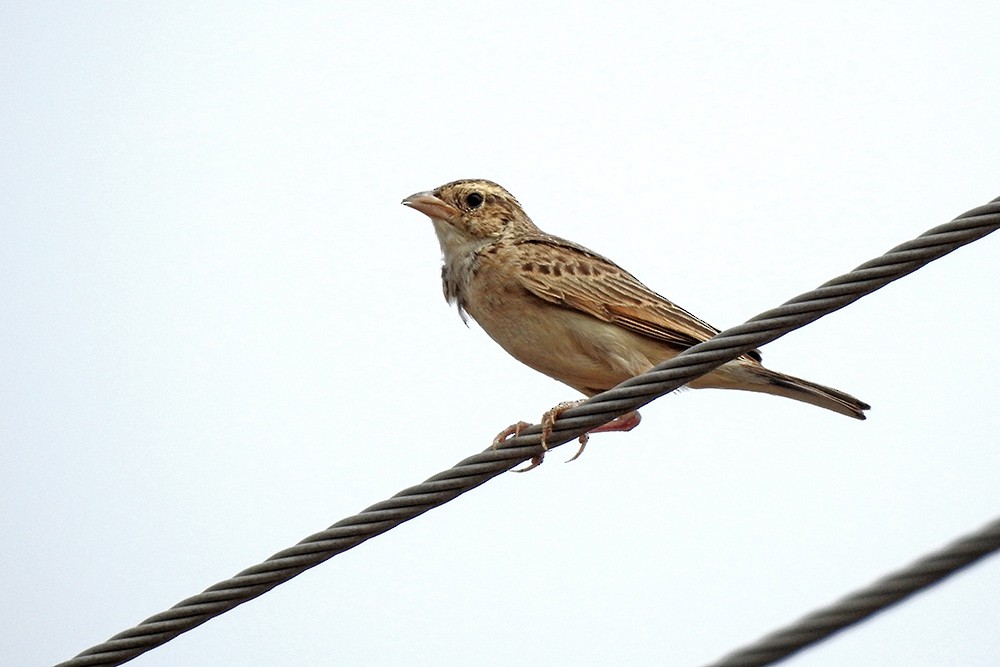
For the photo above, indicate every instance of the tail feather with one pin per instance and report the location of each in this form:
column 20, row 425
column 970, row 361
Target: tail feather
column 798, row 389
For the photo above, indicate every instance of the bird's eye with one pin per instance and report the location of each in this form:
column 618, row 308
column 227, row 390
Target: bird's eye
column 474, row 200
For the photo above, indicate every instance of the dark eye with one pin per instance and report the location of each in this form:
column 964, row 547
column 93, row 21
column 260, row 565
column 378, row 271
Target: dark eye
column 474, row 200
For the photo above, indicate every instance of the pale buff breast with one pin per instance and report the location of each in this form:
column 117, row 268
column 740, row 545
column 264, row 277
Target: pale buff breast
column 577, row 349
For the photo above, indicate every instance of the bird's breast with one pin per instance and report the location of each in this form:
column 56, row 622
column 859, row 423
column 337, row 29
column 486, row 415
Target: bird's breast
column 582, row 351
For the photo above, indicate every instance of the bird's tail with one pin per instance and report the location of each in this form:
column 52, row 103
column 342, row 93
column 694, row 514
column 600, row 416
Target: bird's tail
column 779, row 384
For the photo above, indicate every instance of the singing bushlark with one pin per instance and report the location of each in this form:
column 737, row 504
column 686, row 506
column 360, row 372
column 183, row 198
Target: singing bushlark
column 572, row 314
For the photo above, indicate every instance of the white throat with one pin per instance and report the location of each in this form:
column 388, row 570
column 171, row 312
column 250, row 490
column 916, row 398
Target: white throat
column 454, row 245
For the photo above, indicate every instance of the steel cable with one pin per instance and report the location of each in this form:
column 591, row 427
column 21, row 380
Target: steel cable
column 475, row 470
column 870, row 600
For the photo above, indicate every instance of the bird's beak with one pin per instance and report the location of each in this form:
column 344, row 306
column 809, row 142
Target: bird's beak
column 428, row 204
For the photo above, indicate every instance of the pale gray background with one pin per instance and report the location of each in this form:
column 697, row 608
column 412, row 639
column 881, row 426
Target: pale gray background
column 221, row 332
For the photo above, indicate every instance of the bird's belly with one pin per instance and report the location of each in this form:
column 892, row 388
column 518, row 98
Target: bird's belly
column 586, row 353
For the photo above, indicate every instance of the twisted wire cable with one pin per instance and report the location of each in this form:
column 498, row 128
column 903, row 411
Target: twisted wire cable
column 478, row 469
column 868, row 601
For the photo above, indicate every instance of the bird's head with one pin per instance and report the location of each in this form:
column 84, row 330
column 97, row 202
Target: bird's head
column 470, row 214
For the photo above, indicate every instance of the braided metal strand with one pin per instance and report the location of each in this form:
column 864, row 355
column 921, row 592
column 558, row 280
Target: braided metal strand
column 868, row 601
column 477, row 469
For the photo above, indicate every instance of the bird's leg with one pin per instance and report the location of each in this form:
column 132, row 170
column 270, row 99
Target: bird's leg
column 626, row 422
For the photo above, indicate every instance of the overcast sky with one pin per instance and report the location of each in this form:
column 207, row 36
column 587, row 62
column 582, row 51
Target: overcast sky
column 220, row 332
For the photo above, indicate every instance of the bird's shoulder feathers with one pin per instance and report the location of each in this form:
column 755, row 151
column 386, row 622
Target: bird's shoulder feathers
column 569, row 275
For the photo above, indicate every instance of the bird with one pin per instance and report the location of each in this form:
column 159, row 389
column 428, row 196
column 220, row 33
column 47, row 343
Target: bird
column 572, row 314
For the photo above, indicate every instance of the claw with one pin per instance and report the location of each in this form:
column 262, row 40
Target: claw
column 535, row 462
column 512, row 430
column 583, row 444
column 515, row 430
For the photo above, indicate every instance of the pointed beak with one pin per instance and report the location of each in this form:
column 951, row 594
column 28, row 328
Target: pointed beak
column 428, row 204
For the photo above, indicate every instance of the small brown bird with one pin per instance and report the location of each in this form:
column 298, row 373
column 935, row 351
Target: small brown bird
column 570, row 313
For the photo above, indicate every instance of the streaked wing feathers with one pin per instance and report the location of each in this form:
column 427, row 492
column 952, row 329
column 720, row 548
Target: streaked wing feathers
column 569, row 275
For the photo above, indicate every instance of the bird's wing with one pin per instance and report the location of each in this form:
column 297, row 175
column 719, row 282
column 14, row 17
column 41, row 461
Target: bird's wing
column 569, row 275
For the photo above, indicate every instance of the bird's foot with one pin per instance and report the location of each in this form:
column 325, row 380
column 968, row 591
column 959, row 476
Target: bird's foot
column 515, row 430
column 549, row 423
column 512, row 430
column 625, row 422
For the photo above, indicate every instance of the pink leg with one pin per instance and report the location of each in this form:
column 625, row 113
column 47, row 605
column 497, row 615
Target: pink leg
column 626, row 422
